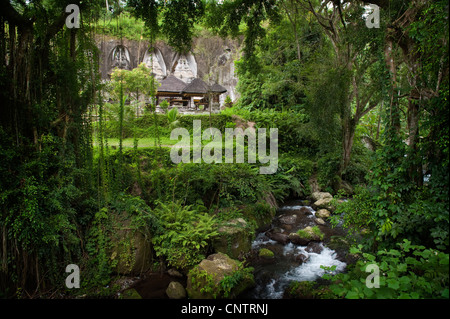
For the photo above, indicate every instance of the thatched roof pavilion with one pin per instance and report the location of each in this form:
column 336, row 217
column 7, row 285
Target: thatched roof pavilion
column 199, row 87
column 171, row 86
column 180, row 92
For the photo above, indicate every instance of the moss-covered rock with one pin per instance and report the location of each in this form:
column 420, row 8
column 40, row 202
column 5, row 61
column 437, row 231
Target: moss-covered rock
column 266, row 253
column 298, row 240
column 131, row 249
column 218, row 276
column 311, row 233
column 234, row 239
column 261, row 212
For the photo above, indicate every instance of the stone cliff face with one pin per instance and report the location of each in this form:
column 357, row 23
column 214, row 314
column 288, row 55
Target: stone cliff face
column 211, row 59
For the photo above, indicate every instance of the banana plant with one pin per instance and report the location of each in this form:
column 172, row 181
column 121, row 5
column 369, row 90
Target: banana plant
column 172, row 116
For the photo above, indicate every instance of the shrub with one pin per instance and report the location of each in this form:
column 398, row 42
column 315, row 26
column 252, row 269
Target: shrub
column 410, row 272
column 185, row 235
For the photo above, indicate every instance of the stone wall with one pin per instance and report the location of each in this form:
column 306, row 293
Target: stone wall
column 211, row 59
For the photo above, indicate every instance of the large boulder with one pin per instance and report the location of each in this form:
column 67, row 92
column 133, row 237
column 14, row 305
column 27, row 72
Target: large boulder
column 205, row 280
column 310, row 234
column 321, row 200
column 320, row 195
column 298, row 240
column 131, row 250
column 234, row 239
column 323, row 203
column 262, row 212
column 278, row 236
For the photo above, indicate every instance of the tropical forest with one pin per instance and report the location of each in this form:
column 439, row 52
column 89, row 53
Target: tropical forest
column 224, row 149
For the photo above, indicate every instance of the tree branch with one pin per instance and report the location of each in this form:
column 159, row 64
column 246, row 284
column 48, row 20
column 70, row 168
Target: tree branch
column 13, row 17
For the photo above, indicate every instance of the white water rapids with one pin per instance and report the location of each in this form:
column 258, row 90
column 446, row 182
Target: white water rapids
column 275, row 278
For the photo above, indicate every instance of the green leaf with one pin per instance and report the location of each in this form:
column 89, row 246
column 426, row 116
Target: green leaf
column 402, row 267
column 411, row 261
column 393, row 284
column 369, row 293
column 405, row 282
column 352, row 295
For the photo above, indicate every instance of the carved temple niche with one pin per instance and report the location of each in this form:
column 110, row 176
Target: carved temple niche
column 184, row 67
column 154, row 60
column 120, row 58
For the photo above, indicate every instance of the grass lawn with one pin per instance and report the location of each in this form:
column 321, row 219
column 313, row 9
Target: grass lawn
column 142, row 142
column 146, row 142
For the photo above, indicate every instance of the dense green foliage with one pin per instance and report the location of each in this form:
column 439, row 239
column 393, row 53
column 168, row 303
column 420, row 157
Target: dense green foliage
column 409, row 272
column 186, row 234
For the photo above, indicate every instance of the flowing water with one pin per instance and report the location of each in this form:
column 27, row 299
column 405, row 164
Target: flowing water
column 292, row 262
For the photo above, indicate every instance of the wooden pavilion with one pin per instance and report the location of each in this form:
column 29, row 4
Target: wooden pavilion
column 170, row 90
column 198, row 92
column 190, row 95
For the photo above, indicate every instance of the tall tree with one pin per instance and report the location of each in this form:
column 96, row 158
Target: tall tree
column 416, row 43
column 355, row 59
column 48, row 79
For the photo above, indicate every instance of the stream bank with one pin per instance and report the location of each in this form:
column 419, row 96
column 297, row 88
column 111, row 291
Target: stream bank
column 279, row 256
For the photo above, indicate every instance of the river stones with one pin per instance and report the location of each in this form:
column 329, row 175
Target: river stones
column 266, row 253
column 298, row 240
column 314, row 247
column 323, row 213
column 288, row 219
column 305, row 210
column 322, row 199
column 310, row 234
column 319, row 221
column 320, row 195
column 174, row 273
column 278, row 237
column 175, row 290
column 301, row 258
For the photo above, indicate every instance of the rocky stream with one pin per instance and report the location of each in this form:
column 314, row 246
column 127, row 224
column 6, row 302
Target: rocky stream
column 292, row 248
column 283, row 256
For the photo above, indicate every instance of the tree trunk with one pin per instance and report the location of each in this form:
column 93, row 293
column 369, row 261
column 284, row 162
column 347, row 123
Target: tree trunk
column 415, row 162
column 390, row 62
column 347, row 143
